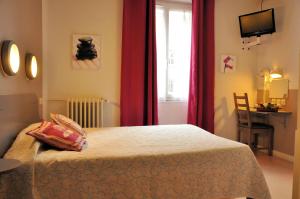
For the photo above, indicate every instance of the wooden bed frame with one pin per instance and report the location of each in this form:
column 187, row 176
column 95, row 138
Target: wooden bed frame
column 16, row 112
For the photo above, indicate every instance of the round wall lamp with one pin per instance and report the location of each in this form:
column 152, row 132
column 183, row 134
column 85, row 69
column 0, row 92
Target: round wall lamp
column 31, row 66
column 10, row 58
column 276, row 73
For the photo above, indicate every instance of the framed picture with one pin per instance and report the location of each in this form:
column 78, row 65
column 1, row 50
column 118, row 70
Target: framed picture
column 86, row 52
column 228, row 63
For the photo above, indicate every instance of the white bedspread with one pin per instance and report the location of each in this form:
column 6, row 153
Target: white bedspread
column 158, row 162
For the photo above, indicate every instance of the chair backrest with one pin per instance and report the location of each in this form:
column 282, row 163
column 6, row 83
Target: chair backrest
column 242, row 109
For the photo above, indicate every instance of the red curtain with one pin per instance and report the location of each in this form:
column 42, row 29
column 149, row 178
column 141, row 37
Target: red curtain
column 138, row 73
column 202, row 73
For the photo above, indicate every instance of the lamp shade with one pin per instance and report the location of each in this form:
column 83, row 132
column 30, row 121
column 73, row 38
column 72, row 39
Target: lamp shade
column 276, row 73
column 31, row 66
column 10, row 57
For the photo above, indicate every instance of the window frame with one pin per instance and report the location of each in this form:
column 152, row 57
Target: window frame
column 167, row 6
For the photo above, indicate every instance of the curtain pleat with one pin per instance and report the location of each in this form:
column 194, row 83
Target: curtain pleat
column 202, row 72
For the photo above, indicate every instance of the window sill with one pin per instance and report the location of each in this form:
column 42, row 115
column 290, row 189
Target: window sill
column 172, row 101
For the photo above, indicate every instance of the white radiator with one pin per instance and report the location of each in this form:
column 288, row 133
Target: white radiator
column 88, row 112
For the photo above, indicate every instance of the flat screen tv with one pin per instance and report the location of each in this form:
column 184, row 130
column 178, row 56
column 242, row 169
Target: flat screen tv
column 257, row 23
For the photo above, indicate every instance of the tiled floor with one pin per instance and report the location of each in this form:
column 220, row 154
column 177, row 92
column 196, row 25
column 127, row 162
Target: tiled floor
column 279, row 175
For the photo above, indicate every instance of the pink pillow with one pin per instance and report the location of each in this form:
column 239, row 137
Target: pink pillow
column 58, row 136
column 67, row 123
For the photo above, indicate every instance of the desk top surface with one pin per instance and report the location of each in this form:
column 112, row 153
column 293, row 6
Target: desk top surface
column 271, row 113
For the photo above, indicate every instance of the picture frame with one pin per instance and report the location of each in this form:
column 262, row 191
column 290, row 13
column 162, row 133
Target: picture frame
column 86, row 52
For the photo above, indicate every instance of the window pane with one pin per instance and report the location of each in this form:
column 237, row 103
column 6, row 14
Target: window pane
column 161, row 45
column 179, row 54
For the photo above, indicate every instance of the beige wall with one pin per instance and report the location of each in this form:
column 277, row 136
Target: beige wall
column 68, row 17
column 21, row 21
column 242, row 80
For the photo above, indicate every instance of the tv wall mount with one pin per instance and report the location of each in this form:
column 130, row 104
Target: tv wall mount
column 249, row 42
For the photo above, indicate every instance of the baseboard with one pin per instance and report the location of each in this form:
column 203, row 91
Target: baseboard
column 281, row 155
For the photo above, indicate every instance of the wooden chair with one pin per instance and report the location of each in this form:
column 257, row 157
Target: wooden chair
column 253, row 130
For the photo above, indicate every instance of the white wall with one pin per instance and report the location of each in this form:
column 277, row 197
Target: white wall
column 172, row 112
column 243, row 80
column 282, row 48
column 21, row 22
column 279, row 49
column 227, row 35
column 296, row 179
column 105, row 18
column 68, row 17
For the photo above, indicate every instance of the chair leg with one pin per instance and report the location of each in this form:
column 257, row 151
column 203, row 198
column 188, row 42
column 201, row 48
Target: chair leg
column 239, row 134
column 271, row 142
column 250, row 139
column 255, row 140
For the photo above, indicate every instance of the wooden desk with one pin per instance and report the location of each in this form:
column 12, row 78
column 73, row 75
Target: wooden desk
column 266, row 115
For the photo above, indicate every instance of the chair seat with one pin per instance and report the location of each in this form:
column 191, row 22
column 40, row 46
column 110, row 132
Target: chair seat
column 256, row 125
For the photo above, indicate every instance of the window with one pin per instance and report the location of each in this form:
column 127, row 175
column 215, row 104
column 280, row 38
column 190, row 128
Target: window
column 173, row 36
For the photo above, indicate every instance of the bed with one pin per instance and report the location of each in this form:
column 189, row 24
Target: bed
column 159, row 162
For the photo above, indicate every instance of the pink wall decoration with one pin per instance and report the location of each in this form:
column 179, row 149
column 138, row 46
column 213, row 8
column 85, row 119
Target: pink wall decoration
column 228, row 63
